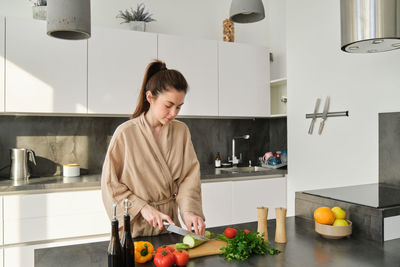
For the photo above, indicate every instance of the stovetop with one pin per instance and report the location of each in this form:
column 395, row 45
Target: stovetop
column 373, row 195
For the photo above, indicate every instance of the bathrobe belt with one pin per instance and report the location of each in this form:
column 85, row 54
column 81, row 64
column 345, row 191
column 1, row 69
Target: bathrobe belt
column 163, row 201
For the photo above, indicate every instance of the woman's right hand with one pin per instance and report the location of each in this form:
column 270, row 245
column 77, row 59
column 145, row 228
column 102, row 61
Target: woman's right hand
column 155, row 217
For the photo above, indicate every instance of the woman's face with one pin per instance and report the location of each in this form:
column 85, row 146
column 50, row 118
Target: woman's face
column 166, row 106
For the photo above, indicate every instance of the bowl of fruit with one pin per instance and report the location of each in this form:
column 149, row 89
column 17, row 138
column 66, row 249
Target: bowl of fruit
column 332, row 223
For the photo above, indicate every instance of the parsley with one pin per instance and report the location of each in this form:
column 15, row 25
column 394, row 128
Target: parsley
column 244, row 245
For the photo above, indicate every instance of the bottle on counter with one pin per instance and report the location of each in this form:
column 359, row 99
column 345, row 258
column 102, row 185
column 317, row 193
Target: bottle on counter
column 128, row 250
column 218, row 161
column 114, row 248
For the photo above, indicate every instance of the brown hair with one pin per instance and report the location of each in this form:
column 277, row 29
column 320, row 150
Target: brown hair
column 158, row 79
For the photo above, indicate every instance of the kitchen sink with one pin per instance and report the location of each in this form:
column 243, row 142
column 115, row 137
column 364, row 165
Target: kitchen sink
column 245, row 169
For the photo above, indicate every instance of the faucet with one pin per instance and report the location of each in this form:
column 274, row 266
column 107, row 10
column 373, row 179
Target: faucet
column 235, row 160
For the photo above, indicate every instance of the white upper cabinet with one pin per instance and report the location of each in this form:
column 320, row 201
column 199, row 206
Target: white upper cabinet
column 197, row 61
column 44, row 74
column 117, row 61
column 2, row 32
column 244, row 88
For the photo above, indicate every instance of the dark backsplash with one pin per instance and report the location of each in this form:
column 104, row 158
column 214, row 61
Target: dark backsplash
column 58, row 140
column 389, row 148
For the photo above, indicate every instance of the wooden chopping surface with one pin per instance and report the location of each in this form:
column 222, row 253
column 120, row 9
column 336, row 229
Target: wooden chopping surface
column 208, row 248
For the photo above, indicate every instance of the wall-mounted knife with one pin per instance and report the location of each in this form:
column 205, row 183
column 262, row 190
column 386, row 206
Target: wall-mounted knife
column 314, row 118
column 180, row 231
column 324, row 115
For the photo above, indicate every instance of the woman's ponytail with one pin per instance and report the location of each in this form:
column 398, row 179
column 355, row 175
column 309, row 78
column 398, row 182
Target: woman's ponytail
column 157, row 79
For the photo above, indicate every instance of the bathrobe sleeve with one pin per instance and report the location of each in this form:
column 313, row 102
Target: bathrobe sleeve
column 113, row 190
column 189, row 185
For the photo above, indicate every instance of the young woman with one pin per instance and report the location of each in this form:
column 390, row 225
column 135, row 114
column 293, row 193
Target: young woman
column 152, row 162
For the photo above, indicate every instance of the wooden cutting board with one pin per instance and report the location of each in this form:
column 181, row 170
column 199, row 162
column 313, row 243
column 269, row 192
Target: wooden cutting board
column 208, row 248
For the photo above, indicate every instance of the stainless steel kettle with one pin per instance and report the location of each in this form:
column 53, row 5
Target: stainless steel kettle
column 19, row 163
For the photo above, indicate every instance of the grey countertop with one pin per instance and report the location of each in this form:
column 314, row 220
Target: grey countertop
column 304, row 247
column 91, row 182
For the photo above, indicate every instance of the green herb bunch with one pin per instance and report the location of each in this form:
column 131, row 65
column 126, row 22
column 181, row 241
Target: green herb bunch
column 135, row 15
column 244, row 245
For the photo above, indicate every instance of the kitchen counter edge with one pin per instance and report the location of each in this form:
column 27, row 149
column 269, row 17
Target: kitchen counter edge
column 92, row 182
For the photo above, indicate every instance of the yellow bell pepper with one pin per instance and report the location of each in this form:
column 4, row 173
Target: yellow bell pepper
column 143, row 251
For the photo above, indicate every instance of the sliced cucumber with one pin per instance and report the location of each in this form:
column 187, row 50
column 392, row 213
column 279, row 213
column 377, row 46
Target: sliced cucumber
column 193, row 242
column 181, row 246
column 208, row 234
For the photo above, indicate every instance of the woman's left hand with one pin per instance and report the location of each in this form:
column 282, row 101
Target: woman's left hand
column 190, row 219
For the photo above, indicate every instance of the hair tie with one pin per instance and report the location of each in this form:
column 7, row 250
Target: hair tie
column 163, row 67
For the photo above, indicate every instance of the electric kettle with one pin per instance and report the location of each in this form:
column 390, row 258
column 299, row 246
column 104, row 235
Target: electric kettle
column 19, row 163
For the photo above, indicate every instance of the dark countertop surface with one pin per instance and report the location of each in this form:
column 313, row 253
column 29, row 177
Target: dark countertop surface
column 377, row 195
column 90, row 182
column 304, row 248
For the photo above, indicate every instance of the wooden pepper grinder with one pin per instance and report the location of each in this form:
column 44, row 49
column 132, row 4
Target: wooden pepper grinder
column 262, row 215
column 280, row 231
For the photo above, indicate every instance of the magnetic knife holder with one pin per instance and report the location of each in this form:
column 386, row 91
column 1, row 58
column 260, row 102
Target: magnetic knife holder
column 330, row 114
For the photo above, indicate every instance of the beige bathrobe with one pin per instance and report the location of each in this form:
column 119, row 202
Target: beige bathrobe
column 164, row 173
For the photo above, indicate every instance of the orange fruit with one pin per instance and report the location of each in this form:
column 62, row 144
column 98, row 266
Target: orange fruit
column 324, row 215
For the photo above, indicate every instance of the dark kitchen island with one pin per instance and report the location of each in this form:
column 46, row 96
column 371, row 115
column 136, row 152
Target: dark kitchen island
column 304, row 248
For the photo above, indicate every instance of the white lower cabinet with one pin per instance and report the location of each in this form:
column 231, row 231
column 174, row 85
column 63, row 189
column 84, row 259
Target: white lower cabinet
column 1, row 220
column 34, row 221
column 233, row 202
column 248, row 195
column 38, row 217
column 24, row 256
column 217, row 203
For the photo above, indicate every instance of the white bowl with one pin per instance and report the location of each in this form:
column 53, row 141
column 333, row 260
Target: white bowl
column 334, row 232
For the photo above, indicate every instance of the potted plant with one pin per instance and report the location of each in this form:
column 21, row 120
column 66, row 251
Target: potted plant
column 136, row 19
column 39, row 9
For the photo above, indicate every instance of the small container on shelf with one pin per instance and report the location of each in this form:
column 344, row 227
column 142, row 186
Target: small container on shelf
column 218, row 161
column 71, row 170
column 278, row 154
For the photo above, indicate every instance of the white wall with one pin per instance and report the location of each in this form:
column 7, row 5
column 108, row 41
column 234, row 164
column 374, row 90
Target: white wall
column 366, row 84
column 193, row 18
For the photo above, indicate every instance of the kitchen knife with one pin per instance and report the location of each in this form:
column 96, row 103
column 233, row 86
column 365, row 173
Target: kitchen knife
column 324, row 115
column 180, row 231
column 314, row 118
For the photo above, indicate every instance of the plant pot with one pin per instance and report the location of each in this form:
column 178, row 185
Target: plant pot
column 137, row 26
column 39, row 12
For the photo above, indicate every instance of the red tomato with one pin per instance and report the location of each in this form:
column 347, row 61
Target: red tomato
column 246, row 231
column 160, row 248
column 230, row 232
column 164, row 258
column 181, row 257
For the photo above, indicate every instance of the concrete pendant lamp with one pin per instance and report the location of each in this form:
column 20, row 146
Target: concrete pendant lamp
column 68, row 19
column 246, row 11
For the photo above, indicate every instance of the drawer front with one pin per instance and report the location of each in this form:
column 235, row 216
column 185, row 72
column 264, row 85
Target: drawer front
column 24, row 256
column 55, row 215
column 52, row 204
